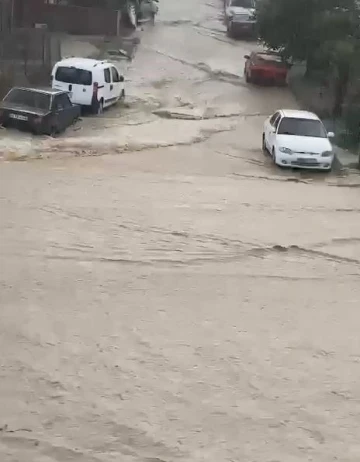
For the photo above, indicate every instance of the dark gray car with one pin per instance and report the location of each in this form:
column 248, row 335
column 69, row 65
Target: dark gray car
column 42, row 111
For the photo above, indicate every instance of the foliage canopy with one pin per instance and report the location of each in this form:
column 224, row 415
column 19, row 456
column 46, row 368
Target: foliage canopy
column 324, row 33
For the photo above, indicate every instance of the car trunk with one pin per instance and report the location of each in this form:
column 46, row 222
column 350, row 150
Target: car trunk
column 22, row 116
column 269, row 69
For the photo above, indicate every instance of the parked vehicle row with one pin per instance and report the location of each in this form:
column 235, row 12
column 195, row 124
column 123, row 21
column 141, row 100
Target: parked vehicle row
column 76, row 83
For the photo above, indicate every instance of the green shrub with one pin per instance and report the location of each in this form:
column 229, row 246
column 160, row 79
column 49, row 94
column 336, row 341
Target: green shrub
column 350, row 136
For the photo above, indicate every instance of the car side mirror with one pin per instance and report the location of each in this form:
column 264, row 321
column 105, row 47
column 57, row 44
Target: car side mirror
column 246, row 56
column 121, row 79
column 331, row 135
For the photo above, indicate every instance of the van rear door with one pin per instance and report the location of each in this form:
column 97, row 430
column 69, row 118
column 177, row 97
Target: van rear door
column 78, row 82
column 108, row 87
column 118, row 85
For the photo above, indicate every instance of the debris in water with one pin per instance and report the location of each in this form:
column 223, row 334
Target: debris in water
column 120, row 53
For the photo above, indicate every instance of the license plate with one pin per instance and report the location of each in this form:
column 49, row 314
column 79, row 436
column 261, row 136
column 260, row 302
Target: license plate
column 18, row 117
column 306, row 160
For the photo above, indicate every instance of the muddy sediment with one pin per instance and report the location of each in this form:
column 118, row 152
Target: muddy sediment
column 166, row 293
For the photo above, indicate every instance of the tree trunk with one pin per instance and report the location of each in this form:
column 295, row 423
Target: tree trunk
column 310, row 65
column 341, row 86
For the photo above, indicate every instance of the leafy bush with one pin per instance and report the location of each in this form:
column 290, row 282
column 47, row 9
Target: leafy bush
column 349, row 137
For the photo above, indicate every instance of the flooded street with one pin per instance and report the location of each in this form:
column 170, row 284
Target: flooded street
column 167, row 294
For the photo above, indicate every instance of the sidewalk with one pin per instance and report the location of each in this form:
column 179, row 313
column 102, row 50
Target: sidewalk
column 319, row 99
column 345, row 159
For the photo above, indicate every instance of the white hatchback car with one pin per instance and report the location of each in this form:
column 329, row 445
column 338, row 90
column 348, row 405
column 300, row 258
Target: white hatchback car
column 298, row 139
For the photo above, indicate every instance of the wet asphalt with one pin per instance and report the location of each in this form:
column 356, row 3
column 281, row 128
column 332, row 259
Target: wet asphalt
column 166, row 293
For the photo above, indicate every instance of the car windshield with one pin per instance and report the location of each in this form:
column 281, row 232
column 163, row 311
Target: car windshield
column 243, row 3
column 269, row 60
column 73, row 75
column 302, row 127
column 30, row 98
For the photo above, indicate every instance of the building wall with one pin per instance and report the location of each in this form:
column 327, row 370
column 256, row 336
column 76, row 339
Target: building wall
column 70, row 19
column 5, row 15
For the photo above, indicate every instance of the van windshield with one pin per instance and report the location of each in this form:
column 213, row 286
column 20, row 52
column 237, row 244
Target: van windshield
column 73, row 75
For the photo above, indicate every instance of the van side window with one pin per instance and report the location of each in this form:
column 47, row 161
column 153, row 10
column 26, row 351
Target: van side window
column 107, row 75
column 115, row 74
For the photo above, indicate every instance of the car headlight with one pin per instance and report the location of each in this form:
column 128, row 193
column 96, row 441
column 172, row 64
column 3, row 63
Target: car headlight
column 326, row 154
column 285, row 150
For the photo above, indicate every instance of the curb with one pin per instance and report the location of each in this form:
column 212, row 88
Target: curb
column 337, row 164
column 341, row 163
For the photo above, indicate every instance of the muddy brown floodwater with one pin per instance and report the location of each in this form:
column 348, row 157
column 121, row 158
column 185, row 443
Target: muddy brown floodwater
column 178, row 299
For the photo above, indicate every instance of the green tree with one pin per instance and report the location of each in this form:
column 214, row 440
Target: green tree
column 323, row 33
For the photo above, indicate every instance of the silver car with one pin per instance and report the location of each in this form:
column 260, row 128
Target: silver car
column 240, row 17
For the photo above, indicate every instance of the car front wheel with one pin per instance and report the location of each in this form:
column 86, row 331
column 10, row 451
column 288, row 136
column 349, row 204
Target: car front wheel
column 264, row 148
column 273, row 155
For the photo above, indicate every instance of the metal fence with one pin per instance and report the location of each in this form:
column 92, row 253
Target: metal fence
column 26, row 57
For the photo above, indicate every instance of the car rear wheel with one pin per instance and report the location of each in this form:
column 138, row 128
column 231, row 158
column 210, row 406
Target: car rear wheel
column 249, row 78
column 53, row 131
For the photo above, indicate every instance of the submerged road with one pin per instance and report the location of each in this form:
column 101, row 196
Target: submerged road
column 166, row 293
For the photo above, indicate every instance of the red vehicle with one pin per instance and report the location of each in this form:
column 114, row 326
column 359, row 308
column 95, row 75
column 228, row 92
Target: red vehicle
column 266, row 67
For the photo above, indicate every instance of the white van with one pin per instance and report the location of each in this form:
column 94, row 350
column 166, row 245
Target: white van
column 92, row 83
